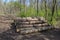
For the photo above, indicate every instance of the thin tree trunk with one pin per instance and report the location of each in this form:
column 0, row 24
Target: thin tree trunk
column 20, row 4
column 37, row 7
column 56, row 9
column 53, row 10
column 46, row 14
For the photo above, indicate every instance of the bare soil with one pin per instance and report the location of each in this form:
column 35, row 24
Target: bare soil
column 44, row 35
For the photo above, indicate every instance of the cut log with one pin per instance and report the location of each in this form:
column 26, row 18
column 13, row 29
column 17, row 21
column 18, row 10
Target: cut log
column 24, row 26
column 45, row 24
column 6, row 21
column 37, row 25
column 22, row 20
column 17, row 30
column 29, row 31
column 23, row 23
column 35, row 22
column 40, row 25
column 42, row 19
column 32, row 19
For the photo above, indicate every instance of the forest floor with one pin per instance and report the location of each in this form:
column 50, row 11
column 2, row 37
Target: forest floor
column 45, row 35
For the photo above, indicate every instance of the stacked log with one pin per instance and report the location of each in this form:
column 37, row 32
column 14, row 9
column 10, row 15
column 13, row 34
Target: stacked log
column 31, row 24
column 5, row 23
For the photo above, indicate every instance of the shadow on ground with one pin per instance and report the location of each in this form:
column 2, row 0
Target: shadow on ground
column 45, row 35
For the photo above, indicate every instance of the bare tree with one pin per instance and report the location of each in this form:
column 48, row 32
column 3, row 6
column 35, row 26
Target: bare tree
column 53, row 10
column 45, row 3
column 37, row 7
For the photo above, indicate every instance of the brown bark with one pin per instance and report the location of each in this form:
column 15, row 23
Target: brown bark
column 53, row 10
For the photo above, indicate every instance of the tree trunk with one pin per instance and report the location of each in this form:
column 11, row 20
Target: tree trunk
column 46, row 14
column 37, row 7
column 53, row 10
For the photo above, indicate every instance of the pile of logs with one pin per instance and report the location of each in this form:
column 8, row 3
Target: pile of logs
column 5, row 22
column 23, row 25
column 31, row 24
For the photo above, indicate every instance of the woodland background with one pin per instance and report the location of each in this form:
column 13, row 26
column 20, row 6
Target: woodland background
column 50, row 9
